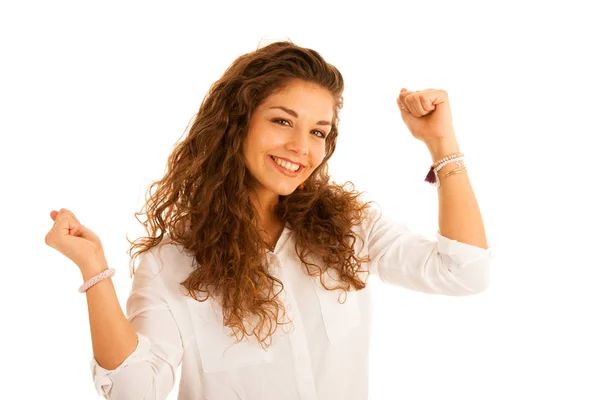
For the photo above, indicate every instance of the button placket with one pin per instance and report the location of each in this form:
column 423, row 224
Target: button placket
column 298, row 345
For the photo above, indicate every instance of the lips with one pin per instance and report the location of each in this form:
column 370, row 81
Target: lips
column 291, row 161
column 285, row 171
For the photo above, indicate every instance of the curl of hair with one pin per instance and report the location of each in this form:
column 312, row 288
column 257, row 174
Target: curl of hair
column 202, row 202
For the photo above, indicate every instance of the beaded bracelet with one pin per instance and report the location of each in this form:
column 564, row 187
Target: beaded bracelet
column 450, row 157
column 442, row 165
column 92, row 281
column 432, row 175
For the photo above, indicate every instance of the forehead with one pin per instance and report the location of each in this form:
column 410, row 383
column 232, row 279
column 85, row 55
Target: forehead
column 298, row 87
column 303, row 97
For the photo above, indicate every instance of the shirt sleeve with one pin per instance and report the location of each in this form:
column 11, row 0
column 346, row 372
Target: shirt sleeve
column 148, row 372
column 404, row 258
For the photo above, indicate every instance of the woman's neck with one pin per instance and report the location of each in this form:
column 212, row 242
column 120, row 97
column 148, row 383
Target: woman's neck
column 270, row 225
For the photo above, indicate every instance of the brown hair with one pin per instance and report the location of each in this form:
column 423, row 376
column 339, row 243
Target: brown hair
column 203, row 203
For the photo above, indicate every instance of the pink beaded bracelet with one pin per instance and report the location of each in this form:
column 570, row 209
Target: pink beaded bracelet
column 92, row 281
column 432, row 175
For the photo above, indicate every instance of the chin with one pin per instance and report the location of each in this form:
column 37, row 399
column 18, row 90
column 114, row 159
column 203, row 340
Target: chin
column 285, row 192
column 283, row 189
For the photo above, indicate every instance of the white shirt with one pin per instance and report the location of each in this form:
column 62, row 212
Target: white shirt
column 324, row 355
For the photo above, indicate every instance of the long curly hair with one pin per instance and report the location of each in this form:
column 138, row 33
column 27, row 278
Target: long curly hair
column 202, row 202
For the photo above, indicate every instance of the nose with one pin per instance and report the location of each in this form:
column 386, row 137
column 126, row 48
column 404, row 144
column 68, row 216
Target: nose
column 298, row 143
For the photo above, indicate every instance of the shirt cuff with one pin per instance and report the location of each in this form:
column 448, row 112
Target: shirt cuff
column 101, row 376
column 462, row 253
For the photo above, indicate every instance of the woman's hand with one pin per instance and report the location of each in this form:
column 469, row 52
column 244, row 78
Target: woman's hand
column 427, row 114
column 74, row 240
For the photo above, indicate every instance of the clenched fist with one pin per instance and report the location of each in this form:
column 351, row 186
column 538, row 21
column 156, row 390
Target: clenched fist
column 74, row 240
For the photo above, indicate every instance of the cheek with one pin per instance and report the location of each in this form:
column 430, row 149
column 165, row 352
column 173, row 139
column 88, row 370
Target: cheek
column 318, row 156
column 268, row 141
column 248, row 151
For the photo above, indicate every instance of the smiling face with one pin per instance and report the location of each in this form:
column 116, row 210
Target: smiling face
column 286, row 138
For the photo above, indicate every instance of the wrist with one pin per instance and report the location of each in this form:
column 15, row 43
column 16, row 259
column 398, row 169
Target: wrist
column 92, row 269
column 442, row 147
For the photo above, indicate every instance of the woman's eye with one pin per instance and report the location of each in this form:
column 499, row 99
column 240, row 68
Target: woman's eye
column 277, row 120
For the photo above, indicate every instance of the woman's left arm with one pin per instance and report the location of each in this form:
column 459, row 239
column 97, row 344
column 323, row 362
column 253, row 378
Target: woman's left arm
column 428, row 117
column 459, row 215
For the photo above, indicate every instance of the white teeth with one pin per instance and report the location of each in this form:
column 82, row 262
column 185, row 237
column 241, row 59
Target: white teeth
column 287, row 165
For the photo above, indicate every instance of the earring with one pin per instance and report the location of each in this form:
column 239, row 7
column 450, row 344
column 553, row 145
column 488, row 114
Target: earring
column 301, row 187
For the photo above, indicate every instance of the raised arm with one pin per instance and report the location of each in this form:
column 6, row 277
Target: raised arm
column 458, row 262
column 428, row 117
column 459, row 215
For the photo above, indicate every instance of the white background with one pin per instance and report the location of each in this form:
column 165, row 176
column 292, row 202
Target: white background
column 94, row 96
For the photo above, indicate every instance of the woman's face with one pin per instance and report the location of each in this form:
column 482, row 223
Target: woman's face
column 294, row 138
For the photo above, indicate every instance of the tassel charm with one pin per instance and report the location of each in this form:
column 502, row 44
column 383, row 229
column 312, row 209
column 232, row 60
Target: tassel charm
column 431, row 176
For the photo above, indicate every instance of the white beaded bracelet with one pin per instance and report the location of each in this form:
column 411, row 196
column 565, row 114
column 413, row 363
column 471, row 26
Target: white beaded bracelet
column 442, row 165
column 457, row 160
column 450, row 157
column 92, row 281
column 432, row 176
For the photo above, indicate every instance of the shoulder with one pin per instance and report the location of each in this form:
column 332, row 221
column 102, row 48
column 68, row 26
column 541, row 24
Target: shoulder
column 371, row 216
column 171, row 261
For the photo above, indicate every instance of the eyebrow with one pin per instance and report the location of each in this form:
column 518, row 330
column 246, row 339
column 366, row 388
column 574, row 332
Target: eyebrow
column 295, row 114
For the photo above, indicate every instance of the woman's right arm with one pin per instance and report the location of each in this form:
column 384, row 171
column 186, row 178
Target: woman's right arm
column 113, row 337
column 148, row 342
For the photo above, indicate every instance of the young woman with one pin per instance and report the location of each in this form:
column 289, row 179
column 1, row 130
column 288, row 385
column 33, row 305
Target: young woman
column 256, row 283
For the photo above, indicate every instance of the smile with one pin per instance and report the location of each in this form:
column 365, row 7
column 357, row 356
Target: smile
column 287, row 168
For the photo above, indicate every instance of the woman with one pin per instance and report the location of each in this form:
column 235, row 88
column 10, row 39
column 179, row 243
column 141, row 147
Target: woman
column 249, row 219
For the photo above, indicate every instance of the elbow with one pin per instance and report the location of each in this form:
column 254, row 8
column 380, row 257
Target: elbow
column 142, row 381
column 480, row 284
column 470, row 278
column 476, row 278
column 141, row 387
column 142, row 376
